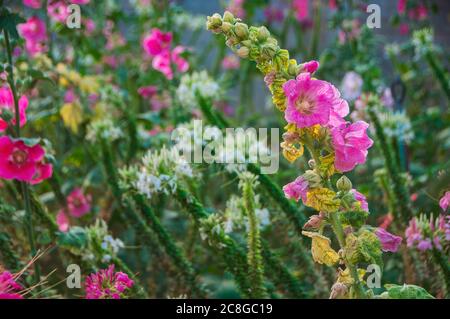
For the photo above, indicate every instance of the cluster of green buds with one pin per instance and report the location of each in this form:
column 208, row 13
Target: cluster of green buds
column 257, row 44
column 423, row 42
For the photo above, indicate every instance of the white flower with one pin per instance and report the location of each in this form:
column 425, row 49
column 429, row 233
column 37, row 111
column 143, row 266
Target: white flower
column 196, row 83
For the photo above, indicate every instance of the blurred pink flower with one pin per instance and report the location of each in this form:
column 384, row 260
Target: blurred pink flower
column 332, row 4
column 157, row 42
column 7, row 103
column 107, row 284
column 63, row 221
column 401, row 6
column 148, row 91
column 389, row 242
column 350, row 142
column 34, row 32
column 301, row 8
column 236, row 7
column 273, row 14
column 35, row 4
column 78, row 204
column 403, row 29
column 57, row 10
column 297, row 189
column 230, row 62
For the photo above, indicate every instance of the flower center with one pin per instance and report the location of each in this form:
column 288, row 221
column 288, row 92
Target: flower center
column 19, row 157
column 304, row 106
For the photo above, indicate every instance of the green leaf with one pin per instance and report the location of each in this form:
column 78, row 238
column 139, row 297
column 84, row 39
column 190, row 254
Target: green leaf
column 405, row 292
column 364, row 246
column 9, row 22
column 31, row 141
column 354, row 218
column 76, row 237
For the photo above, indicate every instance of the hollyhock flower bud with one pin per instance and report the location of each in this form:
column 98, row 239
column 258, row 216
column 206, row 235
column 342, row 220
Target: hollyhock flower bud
column 263, row 34
column 310, row 66
column 226, row 27
column 228, row 17
column 63, row 221
column 314, row 180
column 344, row 184
column 241, row 30
column 214, row 23
column 338, row 290
column 297, row 189
column 243, row 52
column 389, row 242
column 350, row 142
column 7, row 103
column 314, row 222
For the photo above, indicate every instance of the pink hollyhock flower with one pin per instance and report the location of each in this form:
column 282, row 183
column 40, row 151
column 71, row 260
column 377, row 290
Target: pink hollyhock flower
column 181, row 64
column 421, row 12
column 444, row 202
column 63, row 221
column 78, row 204
column 57, row 11
column 80, row 1
column 22, row 162
column 389, row 242
column 147, row 91
column 162, row 62
column 309, row 101
column 230, row 62
column 70, row 96
column 361, row 199
column 107, row 284
column 9, row 288
column 7, row 102
column 401, row 6
column 301, row 8
column 35, row 4
column 157, row 42
column 297, row 189
column 350, row 142
column 34, row 32
column 339, row 109
column 386, row 220
column 89, row 26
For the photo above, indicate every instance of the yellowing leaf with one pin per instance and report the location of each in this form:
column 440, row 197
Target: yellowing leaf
column 321, row 250
column 323, row 199
column 72, row 115
column 291, row 152
column 326, row 166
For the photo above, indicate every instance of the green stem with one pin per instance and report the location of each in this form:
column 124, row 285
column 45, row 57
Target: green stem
column 254, row 259
column 439, row 73
column 9, row 256
column 316, row 29
column 443, row 263
column 177, row 255
column 339, row 232
column 402, row 198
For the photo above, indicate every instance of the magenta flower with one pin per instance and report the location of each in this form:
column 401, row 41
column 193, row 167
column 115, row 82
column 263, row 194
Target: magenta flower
column 339, row 110
column 162, row 62
column 236, row 7
column 350, row 143
column 22, row 162
column 361, row 199
column 310, row 66
column 63, row 221
column 412, row 233
column 9, row 288
column 35, row 4
column 157, row 42
column 147, row 91
column 107, row 284
column 401, row 6
column 444, row 202
column 297, row 189
column 425, row 244
column 301, row 8
column 7, row 102
column 230, row 62
column 389, row 242
column 78, row 204
column 34, row 32
column 57, row 10
column 309, row 101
